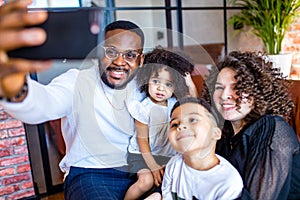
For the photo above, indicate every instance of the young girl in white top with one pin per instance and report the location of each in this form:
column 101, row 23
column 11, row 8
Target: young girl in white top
column 164, row 77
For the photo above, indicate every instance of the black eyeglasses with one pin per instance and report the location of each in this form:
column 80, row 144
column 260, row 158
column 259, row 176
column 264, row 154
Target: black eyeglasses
column 113, row 53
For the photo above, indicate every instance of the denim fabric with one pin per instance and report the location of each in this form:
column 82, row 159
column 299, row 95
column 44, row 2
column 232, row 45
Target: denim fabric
column 94, row 184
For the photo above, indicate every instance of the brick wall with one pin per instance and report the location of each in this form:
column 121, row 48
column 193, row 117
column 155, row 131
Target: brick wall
column 15, row 172
column 291, row 44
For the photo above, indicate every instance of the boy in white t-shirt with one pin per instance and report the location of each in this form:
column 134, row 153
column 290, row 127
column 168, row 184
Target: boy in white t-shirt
column 197, row 172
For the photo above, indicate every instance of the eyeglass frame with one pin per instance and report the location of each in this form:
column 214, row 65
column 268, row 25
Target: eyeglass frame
column 121, row 53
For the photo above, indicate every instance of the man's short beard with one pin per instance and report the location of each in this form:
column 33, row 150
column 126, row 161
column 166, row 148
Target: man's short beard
column 113, row 86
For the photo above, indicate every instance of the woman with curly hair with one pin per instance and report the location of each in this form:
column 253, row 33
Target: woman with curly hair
column 164, row 77
column 253, row 98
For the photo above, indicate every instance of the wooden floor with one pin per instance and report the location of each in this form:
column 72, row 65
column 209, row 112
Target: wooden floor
column 58, row 196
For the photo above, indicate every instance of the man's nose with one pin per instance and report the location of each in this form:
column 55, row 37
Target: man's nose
column 119, row 60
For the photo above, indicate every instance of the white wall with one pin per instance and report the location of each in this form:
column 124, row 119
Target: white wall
column 200, row 27
column 143, row 18
column 203, row 26
column 243, row 41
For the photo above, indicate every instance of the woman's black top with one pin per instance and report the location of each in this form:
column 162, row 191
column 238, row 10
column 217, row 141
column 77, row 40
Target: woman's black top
column 266, row 154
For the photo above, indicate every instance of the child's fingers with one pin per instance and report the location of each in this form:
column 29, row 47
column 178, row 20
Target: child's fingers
column 157, row 177
column 158, row 181
column 187, row 74
column 162, row 170
column 188, row 77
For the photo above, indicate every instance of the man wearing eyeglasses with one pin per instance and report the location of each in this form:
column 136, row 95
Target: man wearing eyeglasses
column 121, row 55
column 96, row 124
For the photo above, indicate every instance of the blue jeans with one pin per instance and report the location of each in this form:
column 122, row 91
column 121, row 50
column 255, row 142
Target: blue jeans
column 94, row 184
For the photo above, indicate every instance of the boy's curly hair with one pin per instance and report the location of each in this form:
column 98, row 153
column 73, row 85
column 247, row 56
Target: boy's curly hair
column 257, row 77
column 176, row 64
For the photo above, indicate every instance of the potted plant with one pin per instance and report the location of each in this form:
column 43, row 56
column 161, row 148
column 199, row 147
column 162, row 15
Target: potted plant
column 267, row 19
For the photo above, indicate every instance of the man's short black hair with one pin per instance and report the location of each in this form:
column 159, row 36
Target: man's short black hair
column 126, row 25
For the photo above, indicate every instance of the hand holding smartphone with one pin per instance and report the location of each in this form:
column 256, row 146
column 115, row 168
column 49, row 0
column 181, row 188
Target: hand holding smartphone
column 72, row 33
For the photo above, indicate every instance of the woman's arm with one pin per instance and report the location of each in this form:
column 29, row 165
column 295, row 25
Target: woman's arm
column 269, row 166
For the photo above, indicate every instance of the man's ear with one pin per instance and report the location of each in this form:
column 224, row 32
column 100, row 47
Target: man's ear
column 142, row 57
column 217, row 133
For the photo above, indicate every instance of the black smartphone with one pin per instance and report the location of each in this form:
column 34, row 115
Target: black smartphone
column 72, row 33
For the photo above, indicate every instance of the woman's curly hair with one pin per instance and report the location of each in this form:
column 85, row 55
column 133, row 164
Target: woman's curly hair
column 173, row 62
column 257, row 77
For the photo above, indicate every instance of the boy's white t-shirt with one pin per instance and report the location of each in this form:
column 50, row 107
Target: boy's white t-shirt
column 183, row 182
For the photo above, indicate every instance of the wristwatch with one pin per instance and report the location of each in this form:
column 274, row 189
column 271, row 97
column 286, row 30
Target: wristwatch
column 23, row 91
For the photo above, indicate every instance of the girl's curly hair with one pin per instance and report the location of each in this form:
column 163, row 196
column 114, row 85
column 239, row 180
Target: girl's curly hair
column 176, row 64
column 257, row 77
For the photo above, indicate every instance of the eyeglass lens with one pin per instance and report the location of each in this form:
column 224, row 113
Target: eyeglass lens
column 113, row 53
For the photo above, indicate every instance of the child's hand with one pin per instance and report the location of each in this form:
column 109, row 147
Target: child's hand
column 189, row 82
column 158, row 176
